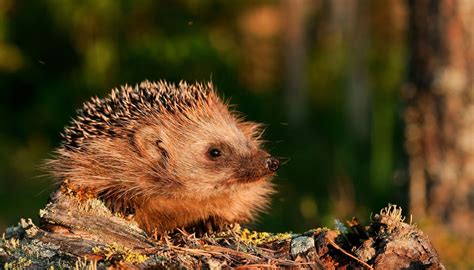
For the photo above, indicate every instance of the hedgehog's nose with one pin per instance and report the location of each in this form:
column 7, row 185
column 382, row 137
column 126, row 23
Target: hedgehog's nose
column 272, row 164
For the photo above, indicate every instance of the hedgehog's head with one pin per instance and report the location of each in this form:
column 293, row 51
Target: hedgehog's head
column 205, row 148
column 158, row 138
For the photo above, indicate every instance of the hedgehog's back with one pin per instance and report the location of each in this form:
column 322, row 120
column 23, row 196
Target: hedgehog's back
column 116, row 113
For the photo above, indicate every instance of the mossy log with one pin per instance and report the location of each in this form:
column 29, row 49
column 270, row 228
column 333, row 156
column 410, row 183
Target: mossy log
column 84, row 234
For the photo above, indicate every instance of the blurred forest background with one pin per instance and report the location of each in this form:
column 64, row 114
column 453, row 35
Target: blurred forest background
column 335, row 82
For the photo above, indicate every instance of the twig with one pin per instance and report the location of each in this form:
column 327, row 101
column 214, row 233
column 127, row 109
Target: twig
column 258, row 266
column 336, row 246
column 231, row 252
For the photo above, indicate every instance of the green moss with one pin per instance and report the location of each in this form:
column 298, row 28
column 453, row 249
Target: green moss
column 83, row 264
column 115, row 251
column 391, row 216
column 258, row 238
column 21, row 263
column 11, row 245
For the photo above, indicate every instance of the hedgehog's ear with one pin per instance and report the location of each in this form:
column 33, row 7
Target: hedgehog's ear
column 148, row 143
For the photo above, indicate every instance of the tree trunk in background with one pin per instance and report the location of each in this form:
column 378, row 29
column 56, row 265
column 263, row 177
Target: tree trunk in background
column 440, row 112
column 294, row 58
column 350, row 18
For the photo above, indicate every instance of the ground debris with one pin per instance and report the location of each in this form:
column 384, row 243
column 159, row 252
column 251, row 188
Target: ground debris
column 74, row 236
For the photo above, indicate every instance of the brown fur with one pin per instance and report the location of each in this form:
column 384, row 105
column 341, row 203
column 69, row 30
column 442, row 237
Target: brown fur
column 145, row 151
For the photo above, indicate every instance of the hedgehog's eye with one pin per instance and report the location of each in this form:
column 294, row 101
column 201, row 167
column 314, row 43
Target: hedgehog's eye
column 214, row 153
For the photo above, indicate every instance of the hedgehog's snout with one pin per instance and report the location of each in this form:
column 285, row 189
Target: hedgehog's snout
column 272, row 164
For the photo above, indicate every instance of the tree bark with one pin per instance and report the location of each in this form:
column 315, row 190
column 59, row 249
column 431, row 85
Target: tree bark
column 439, row 115
column 294, row 12
column 84, row 234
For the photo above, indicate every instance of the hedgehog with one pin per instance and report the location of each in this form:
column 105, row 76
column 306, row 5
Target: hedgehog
column 170, row 156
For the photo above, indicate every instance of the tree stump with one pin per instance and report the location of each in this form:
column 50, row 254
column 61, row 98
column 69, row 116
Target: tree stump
column 78, row 233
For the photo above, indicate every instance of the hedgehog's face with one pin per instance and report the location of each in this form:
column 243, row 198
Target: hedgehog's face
column 222, row 154
column 209, row 156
